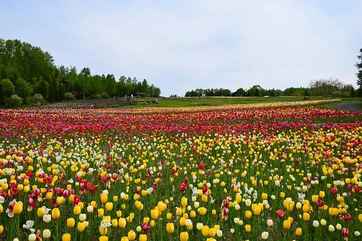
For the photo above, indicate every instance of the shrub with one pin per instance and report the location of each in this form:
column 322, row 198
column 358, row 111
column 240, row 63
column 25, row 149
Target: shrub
column 14, row 101
column 69, row 96
column 97, row 96
column 105, row 95
column 38, row 99
column 7, row 88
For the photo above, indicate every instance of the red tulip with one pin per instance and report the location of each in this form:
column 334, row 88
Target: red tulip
column 345, row 232
column 346, row 217
column 201, row 165
column 280, row 213
column 205, row 189
column 320, row 202
column 183, row 186
column 334, row 190
column 356, row 189
column 145, row 227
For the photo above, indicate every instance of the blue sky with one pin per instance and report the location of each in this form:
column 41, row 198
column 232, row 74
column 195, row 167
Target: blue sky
column 187, row 44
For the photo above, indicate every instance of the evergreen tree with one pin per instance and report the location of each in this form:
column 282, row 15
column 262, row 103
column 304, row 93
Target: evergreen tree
column 359, row 74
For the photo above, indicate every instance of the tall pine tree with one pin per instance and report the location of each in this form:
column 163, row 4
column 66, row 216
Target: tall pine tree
column 359, row 74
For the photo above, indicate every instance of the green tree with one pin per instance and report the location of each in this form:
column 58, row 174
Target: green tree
column 23, row 88
column 83, row 82
column 239, row 92
column 359, row 74
column 7, row 89
column 14, row 101
column 42, row 87
column 256, row 90
column 326, row 87
column 292, row 91
column 38, row 99
column 31, row 69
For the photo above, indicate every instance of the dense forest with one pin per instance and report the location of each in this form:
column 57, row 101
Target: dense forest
column 28, row 75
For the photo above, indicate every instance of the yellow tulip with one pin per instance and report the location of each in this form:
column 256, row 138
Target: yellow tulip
column 322, row 194
column 103, row 238
column 170, row 228
column 18, row 207
column 142, row 237
column 114, row 223
column 55, row 213
column 100, row 212
column 122, row 222
column 247, row 228
column 202, row 211
column 212, row 232
column 66, row 237
column 81, row 226
column 205, row 231
column 60, row 200
column 238, row 198
column 183, row 201
column 306, row 216
column 248, row 214
column 70, row 222
column 257, row 208
column 40, row 212
column 298, row 232
column 77, row 209
column 184, row 236
column 109, row 206
column 264, row 196
column 138, row 205
column 131, row 235
column 287, row 224
column 183, row 221
column 104, row 197
column 161, row 206
column 333, row 211
column 306, row 207
column 155, row 213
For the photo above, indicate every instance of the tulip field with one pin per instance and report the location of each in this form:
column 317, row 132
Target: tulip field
column 258, row 173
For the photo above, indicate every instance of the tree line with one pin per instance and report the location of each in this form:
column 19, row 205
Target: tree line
column 322, row 87
column 28, row 75
column 317, row 88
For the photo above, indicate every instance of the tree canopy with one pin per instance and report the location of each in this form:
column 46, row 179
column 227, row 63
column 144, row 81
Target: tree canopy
column 26, row 70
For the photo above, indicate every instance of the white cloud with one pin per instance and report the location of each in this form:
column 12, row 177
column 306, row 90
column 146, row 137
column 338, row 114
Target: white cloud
column 187, row 44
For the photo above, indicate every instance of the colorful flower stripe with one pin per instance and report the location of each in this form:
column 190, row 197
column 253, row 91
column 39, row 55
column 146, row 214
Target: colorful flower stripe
column 281, row 173
column 60, row 122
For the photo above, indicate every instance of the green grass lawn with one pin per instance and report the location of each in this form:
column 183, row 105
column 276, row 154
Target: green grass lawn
column 216, row 101
column 354, row 104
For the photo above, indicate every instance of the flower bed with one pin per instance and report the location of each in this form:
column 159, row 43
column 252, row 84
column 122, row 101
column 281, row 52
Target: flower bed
column 277, row 173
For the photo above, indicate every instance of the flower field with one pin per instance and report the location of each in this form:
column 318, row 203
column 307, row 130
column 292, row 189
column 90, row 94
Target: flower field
column 262, row 173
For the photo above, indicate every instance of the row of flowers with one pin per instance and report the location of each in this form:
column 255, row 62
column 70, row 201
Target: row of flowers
column 296, row 184
column 14, row 123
